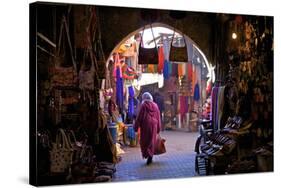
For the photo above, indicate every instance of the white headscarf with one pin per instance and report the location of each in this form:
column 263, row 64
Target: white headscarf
column 146, row 96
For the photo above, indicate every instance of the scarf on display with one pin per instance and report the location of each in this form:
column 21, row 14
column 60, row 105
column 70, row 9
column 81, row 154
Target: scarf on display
column 196, row 92
column 189, row 71
column 131, row 102
column 161, row 59
column 217, row 104
column 166, row 49
column 166, row 73
column 183, row 107
column 119, row 89
column 152, row 68
column 181, row 69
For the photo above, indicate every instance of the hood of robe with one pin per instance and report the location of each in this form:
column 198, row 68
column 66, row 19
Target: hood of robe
column 150, row 107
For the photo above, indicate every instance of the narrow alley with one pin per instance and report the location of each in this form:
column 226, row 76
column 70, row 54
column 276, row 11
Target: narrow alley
column 177, row 162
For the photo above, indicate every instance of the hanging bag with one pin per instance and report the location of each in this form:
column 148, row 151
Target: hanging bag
column 62, row 74
column 148, row 55
column 178, row 54
column 86, row 74
column 61, row 153
column 160, row 147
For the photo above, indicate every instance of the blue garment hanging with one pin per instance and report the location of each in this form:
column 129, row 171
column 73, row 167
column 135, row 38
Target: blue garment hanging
column 119, row 89
column 131, row 102
column 166, row 73
column 196, row 92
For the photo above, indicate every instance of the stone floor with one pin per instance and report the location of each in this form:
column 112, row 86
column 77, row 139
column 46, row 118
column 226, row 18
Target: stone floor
column 177, row 162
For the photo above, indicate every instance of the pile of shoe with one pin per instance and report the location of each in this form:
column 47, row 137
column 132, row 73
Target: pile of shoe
column 104, row 171
column 218, row 145
column 235, row 125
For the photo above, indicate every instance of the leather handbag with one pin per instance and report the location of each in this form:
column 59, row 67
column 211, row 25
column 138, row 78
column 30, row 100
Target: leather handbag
column 64, row 73
column 148, row 55
column 178, row 54
column 160, row 147
column 87, row 74
column 61, row 153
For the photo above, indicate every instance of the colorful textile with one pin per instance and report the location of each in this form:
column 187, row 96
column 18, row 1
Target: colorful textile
column 166, row 73
column 166, row 49
column 150, row 68
column 184, row 72
column 184, row 107
column 217, row 104
column 131, row 102
column 119, row 89
column 149, row 122
column 189, row 71
column 196, row 96
column 180, row 69
column 161, row 59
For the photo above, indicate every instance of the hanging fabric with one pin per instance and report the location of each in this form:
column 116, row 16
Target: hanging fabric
column 183, row 108
column 180, row 69
column 189, row 71
column 194, row 78
column 131, row 102
column 170, row 68
column 119, row 89
column 128, row 72
column 196, row 96
column 148, row 55
column 166, row 48
column 161, row 60
column 150, row 68
column 166, row 73
column 217, row 105
column 178, row 54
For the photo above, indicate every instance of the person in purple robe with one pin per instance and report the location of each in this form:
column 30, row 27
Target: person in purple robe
column 149, row 122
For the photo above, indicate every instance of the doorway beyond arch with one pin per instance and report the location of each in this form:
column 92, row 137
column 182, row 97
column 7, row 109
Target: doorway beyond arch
column 206, row 62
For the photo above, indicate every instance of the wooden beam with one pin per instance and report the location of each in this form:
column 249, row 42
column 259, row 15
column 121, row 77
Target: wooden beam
column 44, row 50
column 46, row 39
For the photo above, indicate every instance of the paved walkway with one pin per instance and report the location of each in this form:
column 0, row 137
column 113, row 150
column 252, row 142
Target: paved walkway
column 178, row 162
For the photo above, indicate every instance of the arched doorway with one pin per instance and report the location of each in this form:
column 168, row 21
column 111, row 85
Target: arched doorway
column 158, row 31
column 181, row 118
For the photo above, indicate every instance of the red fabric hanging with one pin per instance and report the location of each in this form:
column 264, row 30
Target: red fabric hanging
column 189, row 71
column 161, row 59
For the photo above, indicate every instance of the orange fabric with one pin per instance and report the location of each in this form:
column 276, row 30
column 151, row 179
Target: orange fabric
column 194, row 78
column 180, row 69
column 161, row 59
column 150, row 68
